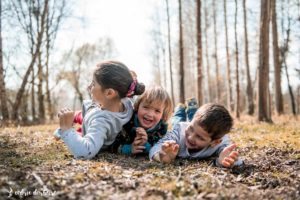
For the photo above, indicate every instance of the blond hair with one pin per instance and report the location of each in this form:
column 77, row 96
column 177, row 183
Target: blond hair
column 156, row 94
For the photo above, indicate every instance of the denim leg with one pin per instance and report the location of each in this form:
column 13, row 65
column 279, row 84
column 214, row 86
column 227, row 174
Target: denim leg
column 192, row 107
column 179, row 115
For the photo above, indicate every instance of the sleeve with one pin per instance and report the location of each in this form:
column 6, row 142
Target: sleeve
column 171, row 135
column 88, row 146
column 125, row 149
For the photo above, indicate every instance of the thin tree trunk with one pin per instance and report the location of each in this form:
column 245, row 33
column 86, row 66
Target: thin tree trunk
column 40, row 90
column 41, row 113
column 4, row 108
column 30, row 67
column 170, row 52
column 237, row 108
column 206, row 54
column 298, row 100
column 263, row 68
column 216, row 51
column 249, row 82
column 33, row 113
column 48, row 95
column 229, row 89
column 284, row 51
column 199, row 52
column 181, row 58
column 24, row 108
column 277, row 66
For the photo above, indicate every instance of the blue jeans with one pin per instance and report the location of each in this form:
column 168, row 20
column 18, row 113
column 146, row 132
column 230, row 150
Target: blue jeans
column 182, row 115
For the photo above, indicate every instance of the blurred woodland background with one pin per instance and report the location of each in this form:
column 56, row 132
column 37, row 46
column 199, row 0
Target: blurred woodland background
column 243, row 54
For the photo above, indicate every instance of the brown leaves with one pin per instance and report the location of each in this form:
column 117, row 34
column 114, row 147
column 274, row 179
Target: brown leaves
column 32, row 160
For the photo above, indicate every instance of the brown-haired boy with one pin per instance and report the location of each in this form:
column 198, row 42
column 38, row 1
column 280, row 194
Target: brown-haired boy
column 203, row 137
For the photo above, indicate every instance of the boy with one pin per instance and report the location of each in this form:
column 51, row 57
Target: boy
column 203, row 137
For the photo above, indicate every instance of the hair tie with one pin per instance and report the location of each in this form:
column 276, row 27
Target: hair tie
column 132, row 88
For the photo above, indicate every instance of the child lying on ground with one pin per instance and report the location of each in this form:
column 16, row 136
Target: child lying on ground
column 148, row 123
column 203, row 137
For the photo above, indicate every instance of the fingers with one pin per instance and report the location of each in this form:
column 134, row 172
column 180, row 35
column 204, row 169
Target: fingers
column 230, row 148
column 137, row 141
column 176, row 148
column 64, row 111
column 137, row 149
column 234, row 155
column 170, row 147
column 228, row 162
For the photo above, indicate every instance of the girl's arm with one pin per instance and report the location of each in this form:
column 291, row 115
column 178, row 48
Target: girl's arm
column 88, row 146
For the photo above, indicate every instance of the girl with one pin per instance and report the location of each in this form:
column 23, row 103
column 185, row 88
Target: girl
column 104, row 116
column 148, row 123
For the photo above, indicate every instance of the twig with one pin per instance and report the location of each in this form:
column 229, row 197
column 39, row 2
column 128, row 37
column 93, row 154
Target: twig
column 179, row 175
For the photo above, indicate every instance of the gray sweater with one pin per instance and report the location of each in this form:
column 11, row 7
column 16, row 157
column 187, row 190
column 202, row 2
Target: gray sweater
column 178, row 135
column 100, row 128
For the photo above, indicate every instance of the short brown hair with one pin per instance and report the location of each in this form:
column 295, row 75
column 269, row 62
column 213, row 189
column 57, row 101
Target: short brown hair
column 156, row 94
column 215, row 119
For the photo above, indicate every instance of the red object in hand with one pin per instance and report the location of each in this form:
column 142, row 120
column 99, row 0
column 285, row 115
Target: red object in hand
column 78, row 120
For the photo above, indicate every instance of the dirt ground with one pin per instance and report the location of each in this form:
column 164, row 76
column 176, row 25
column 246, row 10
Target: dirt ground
column 35, row 166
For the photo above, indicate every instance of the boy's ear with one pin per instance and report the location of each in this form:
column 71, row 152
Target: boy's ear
column 215, row 142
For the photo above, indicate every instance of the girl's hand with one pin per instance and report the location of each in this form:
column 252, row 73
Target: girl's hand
column 66, row 117
column 227, row 157
column 137, row 146
column 141, row 134
column 168, row 152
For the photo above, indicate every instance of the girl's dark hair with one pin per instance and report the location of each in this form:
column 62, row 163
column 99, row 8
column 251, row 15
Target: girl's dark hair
column 115, row 75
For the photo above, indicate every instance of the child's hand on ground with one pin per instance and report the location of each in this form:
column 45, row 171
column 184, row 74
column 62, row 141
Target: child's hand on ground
column 228, row 156
column 137, row 146
column 141, row 134
column 168, row 152
column 66, row 117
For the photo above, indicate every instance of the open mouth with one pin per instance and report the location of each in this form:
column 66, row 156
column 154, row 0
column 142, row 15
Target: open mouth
column 147, row 121
column 189, row 144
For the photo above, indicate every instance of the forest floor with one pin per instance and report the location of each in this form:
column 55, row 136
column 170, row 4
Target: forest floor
column 35, row 166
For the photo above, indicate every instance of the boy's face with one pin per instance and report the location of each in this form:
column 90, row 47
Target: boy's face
column 196, row 137
column 150, row 114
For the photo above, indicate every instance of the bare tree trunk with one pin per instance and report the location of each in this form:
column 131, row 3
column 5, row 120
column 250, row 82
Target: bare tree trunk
column 4, row 108
column 33, row 113
column 263, row 68
column 237, row 104
column 29, row 69
column 290, row 89
column 249, row 82
column 216, row 51
column 40, row 90
column 206, row 54
column 170, row 52
column 229, row 89
column 277, row 66
column 181, row 58
column 298, row 100
column 48, row 95
column 284, row 50
column 24, row 108
column 199, row 52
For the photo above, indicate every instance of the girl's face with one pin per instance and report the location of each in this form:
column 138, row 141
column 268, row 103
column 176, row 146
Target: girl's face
column 96, row 91
column 150, row 115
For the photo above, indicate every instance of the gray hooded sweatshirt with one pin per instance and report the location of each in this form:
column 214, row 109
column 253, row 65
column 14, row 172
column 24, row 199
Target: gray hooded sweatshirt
column 178, row 135
column 100, row 128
